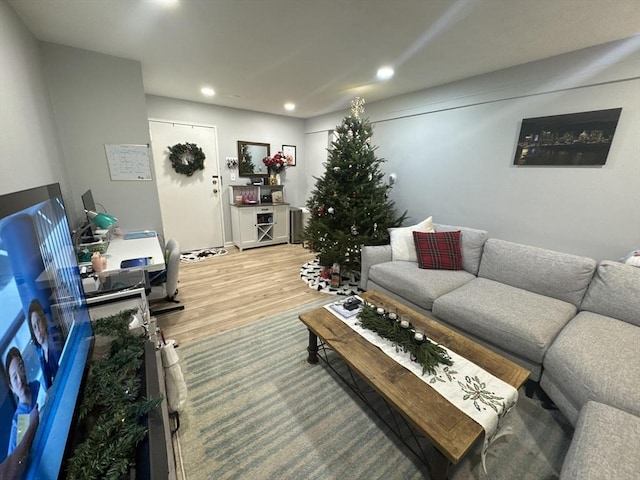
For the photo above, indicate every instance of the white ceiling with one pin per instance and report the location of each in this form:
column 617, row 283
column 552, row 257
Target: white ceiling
column 259, row 54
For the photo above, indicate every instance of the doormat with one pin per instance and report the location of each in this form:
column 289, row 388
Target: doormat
column 199, row 255
column 310, row 274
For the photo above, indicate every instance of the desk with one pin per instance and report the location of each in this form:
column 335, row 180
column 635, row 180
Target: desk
column 121, row 249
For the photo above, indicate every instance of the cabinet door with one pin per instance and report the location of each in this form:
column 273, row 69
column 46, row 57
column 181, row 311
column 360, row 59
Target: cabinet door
column 281, row 220
column 247, row 224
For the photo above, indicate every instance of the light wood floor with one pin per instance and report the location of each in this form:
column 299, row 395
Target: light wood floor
column 224, row 292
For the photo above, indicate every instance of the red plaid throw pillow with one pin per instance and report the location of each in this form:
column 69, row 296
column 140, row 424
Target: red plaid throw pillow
column 438, row 251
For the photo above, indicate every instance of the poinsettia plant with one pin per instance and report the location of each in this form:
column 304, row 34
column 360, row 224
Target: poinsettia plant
column 276, row 163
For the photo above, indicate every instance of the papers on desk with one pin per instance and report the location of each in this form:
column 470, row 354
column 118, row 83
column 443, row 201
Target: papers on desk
column 140, row 234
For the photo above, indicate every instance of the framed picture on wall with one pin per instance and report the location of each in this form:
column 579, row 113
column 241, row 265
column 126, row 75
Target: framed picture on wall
column 290, row 154
column 574, row 139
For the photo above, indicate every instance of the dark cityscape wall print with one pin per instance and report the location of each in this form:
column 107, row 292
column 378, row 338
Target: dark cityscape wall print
column 575, row 139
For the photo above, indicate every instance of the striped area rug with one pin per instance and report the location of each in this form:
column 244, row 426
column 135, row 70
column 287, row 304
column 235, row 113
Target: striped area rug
column 256, row 410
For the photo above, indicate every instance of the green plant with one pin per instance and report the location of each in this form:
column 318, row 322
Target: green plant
column 426, row 353
column 112, row 408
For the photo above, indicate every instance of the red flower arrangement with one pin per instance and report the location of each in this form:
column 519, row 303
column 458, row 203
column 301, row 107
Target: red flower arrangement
column 276, row 163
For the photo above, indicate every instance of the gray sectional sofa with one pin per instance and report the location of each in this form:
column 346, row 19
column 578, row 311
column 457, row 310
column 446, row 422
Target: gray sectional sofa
column 573, row 322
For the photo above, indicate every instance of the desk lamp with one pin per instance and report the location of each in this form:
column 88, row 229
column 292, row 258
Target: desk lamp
column 102, row 220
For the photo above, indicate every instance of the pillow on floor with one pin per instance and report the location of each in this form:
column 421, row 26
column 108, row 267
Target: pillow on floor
column 438, row 251
column 402, row 243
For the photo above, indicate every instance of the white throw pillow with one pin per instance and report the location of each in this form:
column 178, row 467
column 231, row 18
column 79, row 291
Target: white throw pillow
column 402, row 244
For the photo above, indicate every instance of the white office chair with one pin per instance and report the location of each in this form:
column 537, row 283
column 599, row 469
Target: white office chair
column 165, row 286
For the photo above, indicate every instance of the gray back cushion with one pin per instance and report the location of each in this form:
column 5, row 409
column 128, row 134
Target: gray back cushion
column 546, row 272
column 471, row 243
column 615, row 292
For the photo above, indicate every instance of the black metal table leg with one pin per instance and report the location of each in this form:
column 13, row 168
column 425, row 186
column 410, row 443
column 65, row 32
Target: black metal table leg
column 312, row 348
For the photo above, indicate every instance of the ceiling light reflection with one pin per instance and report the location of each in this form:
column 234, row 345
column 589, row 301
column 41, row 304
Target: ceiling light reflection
column 385, row 73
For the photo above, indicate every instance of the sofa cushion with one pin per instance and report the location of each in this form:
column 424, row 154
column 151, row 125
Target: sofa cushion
column 615, row 292
column 513, row 319
column 471, row 243
column 605, row 445
column 546, row 272
column 417, row 285
column 597, row 358
column 438, row 251
column 401, row 240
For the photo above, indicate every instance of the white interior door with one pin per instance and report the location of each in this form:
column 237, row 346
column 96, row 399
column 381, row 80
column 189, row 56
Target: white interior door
column 191, row 206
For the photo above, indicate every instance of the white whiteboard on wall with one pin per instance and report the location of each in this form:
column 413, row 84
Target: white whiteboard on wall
column 128, row 162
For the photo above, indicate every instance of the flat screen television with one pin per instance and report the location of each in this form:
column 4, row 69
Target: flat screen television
column 45, row 330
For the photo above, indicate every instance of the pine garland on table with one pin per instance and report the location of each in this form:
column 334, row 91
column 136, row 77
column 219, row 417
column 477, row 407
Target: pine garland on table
column 112, row 408
column 425, row 353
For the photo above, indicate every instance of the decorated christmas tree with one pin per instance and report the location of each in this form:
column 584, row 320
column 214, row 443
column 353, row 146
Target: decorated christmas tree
column 350, row 206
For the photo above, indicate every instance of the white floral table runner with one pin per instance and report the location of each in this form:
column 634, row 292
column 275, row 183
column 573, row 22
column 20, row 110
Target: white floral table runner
column 482, row 396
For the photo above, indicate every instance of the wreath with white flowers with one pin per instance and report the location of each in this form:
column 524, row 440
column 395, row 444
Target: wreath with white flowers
column 186, row 158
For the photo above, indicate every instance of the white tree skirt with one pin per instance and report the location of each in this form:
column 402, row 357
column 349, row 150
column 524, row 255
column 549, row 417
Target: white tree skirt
column 310, row 274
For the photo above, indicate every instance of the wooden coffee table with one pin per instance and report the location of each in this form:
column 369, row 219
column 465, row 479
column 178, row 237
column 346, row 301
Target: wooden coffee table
column 448, row 429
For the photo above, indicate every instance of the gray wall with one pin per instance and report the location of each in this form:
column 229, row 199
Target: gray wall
column 30, row 151
column 233, row 125
column 452, row 149
column 99, row 99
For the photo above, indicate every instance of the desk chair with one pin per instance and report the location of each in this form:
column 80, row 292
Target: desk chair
column 165, row 285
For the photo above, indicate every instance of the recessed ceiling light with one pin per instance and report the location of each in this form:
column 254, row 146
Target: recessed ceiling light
column 385, row 73
column 168, row 3
column 290, row 106
column 207, row 92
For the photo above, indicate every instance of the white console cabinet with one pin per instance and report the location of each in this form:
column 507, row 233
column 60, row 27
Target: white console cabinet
column 259, row 215
column 259, row 225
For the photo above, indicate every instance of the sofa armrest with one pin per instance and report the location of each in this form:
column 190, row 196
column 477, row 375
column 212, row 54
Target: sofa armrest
column 369, row 256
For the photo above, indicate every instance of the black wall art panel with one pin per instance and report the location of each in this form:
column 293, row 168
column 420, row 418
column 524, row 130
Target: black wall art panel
column 575, row 139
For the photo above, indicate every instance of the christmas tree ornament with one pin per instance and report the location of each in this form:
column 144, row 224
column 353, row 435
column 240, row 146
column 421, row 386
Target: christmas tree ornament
column 330, row 210
column 357, row 107
column 354, row 230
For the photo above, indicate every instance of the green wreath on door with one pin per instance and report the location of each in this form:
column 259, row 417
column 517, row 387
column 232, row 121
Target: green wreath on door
column 186, row 158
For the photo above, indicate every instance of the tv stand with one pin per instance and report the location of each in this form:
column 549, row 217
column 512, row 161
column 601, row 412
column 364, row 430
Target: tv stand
column 155, row 458
column 155, row 454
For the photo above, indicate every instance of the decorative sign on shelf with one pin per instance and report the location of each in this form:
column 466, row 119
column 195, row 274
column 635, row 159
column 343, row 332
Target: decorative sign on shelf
column 128, row 162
